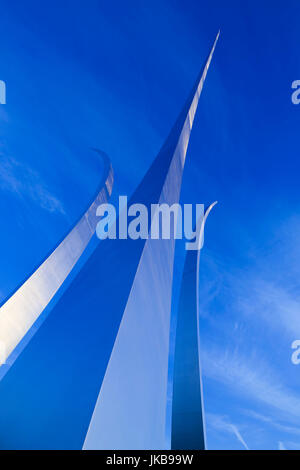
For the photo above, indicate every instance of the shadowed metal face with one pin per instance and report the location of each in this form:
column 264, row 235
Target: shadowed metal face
column 107, row 337
column 134, row 388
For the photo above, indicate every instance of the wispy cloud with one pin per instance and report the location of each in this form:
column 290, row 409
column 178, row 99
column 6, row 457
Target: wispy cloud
column 238, row 435
column 26, row 184
column 266, row 289
column 284, row 428
column 251, row 377
column 222, row 423
column 251, row 313
column 277, row 306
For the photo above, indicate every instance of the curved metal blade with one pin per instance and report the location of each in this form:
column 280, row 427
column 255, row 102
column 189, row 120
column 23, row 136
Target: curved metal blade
column 22, row 309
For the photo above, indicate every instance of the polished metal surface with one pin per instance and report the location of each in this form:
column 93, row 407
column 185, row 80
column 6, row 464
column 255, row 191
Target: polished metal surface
column 23, row 308
column 134, row 390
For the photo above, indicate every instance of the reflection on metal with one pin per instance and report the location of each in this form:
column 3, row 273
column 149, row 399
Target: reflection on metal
column 202, row 225
column 130, row 412
column 187, row 405
column 22, row 309
column 108, row 333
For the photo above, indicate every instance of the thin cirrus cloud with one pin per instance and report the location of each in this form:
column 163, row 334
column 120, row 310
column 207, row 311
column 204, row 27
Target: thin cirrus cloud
column 250, row 357
column 284, row 428
column 267, row 289
column 252, row 378
column 26, row 183
column 276, row 305
column 222, row 423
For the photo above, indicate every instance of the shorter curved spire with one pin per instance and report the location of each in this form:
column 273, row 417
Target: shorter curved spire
column 25, row 305
column 188, row 426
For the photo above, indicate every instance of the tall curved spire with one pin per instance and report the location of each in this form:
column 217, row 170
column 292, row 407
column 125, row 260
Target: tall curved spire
column 105, row 346
column 131, row 408
column 22, row 309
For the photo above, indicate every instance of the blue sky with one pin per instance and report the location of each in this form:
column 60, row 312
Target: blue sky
column 114, row 75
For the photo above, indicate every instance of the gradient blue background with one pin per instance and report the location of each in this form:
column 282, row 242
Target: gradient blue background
column 114, row 75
